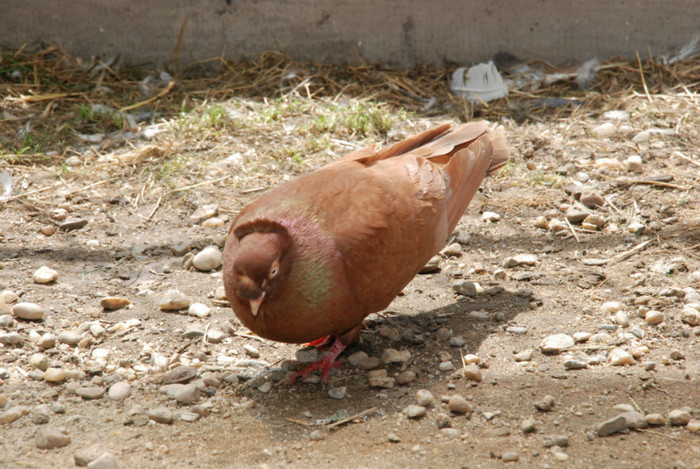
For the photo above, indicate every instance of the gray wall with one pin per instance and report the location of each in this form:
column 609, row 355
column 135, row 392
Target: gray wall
column 397, row 32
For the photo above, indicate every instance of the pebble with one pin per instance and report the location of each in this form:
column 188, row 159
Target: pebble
column 654, row 317
column 105, row 461
column 593, row 222
column 28, row 311
column 47, row 341
column 655, row 419
column 556, row 343
column 459, row 405
column 72, row 223
column 90, row 392
column 690, row 316
column 518, row 330
column 207, row 259
column 251, row 351
column 112, row 303
column 556, row 225
column 391, row 355
column 529, row 425
column 205, row 211
column 545, row 404
column 457, row 341
column 446, row 366
column 465, row 287
column 12, row 338
column 575, row 364
column 693, row 425
column 611, row 307
column 193, row 331
column 45, row 274
column 620, row 357
column 611, row 426
column 510, row 456
column 119, row 391
column 393, row 438
column 679, row 417
column 8, row 297
column 414, row 411
column 85, row 456
column 472, row 372
column 424, row 398
column 173, row 300
column 183, row 393
column 161, row 415
column 582, row 336
column 490, row 216
column 519, row 260
column 317, row 435
column 39, row 361
column 179, row 374
column 555, row 440
column 216, row 336
column 5, row 319
column 213, row 222
column 432, row 265
column 50, row 438
column 13, row 413
column 69, row 337
column 616, row 115
column 338, row 393
column 622, row 318
column 605, row 130
column 592, row 199
column 524, row 356
column 199, row 310
column 54, row 375
column 635, row 227
column 634, row 164
column 541, row 222
column 380, row 379
column 634, row 419
column 189, row 416
column 405, row 377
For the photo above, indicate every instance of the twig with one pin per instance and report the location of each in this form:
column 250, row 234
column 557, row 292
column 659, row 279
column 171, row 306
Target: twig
column 635, row 404
column 24, row 194
column 247, row 336
column 624, row 255
column 681, row 155
column 350, row 419
column 657, row 433
column 573, row 232
column 254, row 189
column 204, row 337
column 153, row 212
column 178, row 43
column 641, row 73
column 162, row 93
column 658, row 183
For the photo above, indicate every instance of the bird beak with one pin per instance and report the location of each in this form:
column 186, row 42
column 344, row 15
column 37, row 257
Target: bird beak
column 255, row 304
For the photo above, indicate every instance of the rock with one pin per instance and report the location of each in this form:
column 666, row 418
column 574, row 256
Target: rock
column 112, row 303
column 179, row 374
column 519, row 260
column 622, row 318
column 393, row 438
column 39, row 361
column 183, row 393
column 119, row 391
column 655, row 419
column 193, row 331
column 13, row 413
column 582, row 336
column 593, row 222
column 199, row 310
column 459, row 405
column 251, row 351
column 446, row 366
column 529, row 425
column 161, row 415
column 556, row 225
column 556, row 343
column 47, row 341
column 189, row 416
column 28, row 311
column 213, row 222
column 605, row 130
column 72, row 223
column 679, row 417
column 592, row 199
column 577, row 214
column 541, row 222
column 457, row 341
column 12, row 338
column 90, row 392
column 424, row 398
column 510, row 456
column 173, row 300
column 203, row 212
column 433, row 265
column 633, row 164
column 635, row 227
column 207, row 259
column 454, row 249
column 391, row 355
column 615, row 115
column 575, row 364
column 693, row 425
column 611, row 307
column 524, row 356
column 614, row 425
column 472, row 372
column 517, row 330
column 8, row 297
column 216, row 336
column 105, row 461
column 555, row 440
column 654, row 317
column 54, row 375
column 490, row 217
column 690, row 316
column 85, row 456
column 634, row 420
column 379, row 379
column 545, row 404
column 69, row 337
column 414, row 411
column 44, row 275
column 338, row 393
column 620, row 357
column 50, row 438
column 405, row 377
column 316, row 435
column 307, row 355
column 465, row 287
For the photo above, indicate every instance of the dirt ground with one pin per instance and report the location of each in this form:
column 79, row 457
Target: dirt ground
column 139, row 199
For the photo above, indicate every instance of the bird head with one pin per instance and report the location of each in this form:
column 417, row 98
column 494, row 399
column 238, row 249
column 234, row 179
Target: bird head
column 260, row 267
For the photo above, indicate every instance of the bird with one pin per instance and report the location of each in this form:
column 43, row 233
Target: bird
column 308, row 261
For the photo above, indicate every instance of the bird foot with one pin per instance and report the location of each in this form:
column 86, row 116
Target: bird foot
column 323, row 342
column 325, row 364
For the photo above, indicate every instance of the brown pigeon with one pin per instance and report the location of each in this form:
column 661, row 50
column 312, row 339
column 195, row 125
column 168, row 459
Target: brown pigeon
column 309, row 260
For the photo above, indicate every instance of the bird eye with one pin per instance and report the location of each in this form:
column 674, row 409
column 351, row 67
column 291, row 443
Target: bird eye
column 274, row 271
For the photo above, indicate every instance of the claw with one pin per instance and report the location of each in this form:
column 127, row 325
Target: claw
column 325, row 364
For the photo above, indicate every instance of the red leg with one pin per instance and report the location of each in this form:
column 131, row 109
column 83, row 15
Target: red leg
column 323, row 342
column 325, row 364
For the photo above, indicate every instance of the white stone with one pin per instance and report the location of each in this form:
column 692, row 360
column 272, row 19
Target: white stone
column 29, row 311
column 199, row 310
column 45, row 275
column 8, row 297
column 616, row 115
column 605, row 130
column 556, row 343
column 207, row 259
column 620, row 357
column 654, row 317
column 611, row 307
column 641, row 137
column 634, row 163
column 173, row 300
column 490, row 216
column 119, row 391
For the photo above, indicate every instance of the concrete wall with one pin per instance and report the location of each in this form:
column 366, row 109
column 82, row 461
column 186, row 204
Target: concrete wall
column 397, row 32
